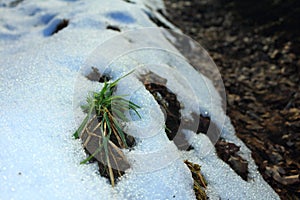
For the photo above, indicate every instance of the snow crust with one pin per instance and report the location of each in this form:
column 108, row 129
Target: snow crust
column 42, row 83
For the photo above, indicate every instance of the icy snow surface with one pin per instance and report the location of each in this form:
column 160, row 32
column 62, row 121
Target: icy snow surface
column 42, row 84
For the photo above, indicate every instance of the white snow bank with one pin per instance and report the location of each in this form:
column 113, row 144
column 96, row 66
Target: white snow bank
column 41, row 71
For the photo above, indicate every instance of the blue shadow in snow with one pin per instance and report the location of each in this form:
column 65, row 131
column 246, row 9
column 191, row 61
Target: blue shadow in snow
column 121, row 17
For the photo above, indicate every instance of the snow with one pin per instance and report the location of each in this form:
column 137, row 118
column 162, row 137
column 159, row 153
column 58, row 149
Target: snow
column 43, row 84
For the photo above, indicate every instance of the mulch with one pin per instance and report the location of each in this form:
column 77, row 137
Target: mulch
column 256, row 47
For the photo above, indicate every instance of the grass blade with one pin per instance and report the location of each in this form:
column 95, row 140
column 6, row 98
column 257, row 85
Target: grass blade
column 81, row 127
column 92, row 156
column 120, row 132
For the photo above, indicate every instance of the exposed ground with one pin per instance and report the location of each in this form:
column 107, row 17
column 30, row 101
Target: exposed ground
column 256, row 47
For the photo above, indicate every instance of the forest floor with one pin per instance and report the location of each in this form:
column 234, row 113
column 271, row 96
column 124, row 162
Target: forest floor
column 258, row 55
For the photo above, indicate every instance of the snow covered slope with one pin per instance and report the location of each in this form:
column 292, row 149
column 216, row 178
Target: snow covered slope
column 41, row 75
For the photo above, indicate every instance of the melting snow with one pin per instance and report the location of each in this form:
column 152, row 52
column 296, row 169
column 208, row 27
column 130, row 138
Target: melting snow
column 41, row 75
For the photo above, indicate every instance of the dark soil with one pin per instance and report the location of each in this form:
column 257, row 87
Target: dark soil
column 156, row 85
column 62, row 24
column 171, row 107
column 256, row 47
column 227, row 151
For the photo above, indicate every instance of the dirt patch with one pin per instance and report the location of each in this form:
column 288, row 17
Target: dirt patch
column 156, row 85
column 114, row 28
column 199, row 124
column 171, row 107
column 62, row 24
column 228, row 152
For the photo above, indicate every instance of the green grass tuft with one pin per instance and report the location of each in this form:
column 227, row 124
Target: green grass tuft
column 109, row 110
